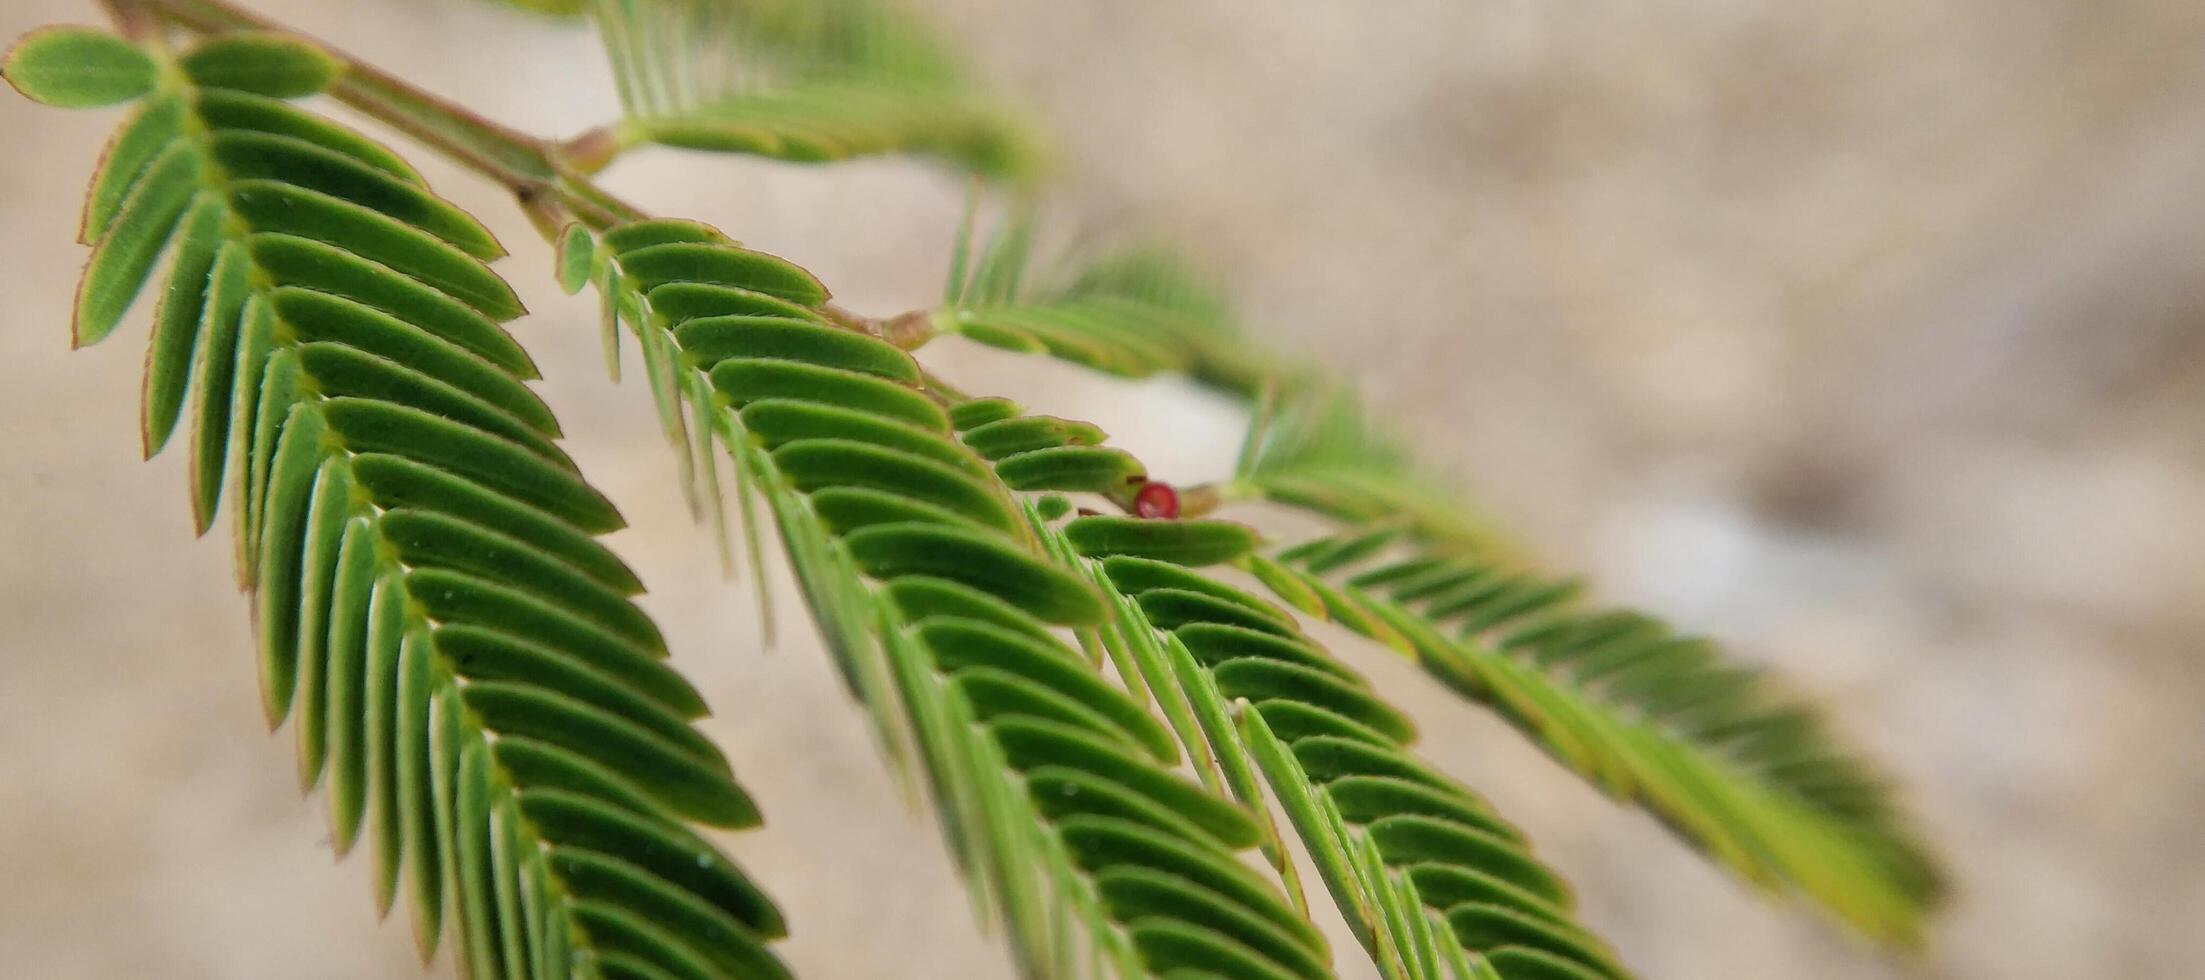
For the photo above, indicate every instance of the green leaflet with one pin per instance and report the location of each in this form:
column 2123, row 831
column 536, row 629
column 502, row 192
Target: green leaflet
column 897, row 550
column 695, row 788
column 428, row 539
column 291, row 479
column 1131, row 891
column 538, row 765
column 1033, row 743
column 1483, row 926
column 747, row 381
column 279, row 207
column 641, row 691
column 344, row 371
column 250, row 155
column 708, row 340
column 1010, row 435
column 124, row 257
column 577, row 256
column 156, row 123
column 844, row 509
column 680, row 302
column 778, row 422
column 258, row 414
column 1216, row 640
column 816, row 464
column 273, row 65
column 1170, row 607
column 313, row 271
column 176, row 323
column 72, row 67
column 698, row 262
column 347, row 681
column 1038, row 664
column 1180, row 946
column 709, row 933
column 1179, row 542
column 386, row 629
column 1071, row 469
column 661, row 231
column 372, row 426
column 972, row 414
column 919, row 597
column 1100, row 844
column 221, row 109
column 395, row 481
column 1062, row 792
column 1520, row 963
column 661, row 847
column 327, row 514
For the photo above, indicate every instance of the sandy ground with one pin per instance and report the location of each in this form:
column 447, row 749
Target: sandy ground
column 1869, row 337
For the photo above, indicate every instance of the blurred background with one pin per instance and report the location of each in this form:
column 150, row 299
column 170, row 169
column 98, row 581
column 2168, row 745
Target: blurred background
column 1867, row 337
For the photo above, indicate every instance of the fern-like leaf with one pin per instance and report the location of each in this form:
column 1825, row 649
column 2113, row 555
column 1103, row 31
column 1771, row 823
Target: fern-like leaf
column 1052, row 785
column 463, row 664
column 1797, row 809
column 1135, row 312
column 803, row 81
column 1403, row 849
column 1649, row 715
column 1319, row 451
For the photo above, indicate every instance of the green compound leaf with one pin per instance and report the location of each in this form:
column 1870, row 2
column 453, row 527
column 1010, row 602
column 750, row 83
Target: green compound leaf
column 919, row 565
column 1372, row 817
column 462, row 662
column 73, row 68
column 1800, row 812
column 1649, row 716
column 805, row 83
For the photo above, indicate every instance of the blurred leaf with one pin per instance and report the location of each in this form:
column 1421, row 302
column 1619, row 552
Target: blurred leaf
column 803, row 81
column 1750, row 776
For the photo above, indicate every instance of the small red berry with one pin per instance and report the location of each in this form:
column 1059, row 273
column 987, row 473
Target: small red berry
column 1156, row 499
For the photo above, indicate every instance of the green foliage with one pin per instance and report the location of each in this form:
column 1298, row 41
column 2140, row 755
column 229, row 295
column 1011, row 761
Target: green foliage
column 1316, row 449
column 462, row 662
column 1759, row 784
column 1134, row 313
column 467, row 673
column 805, row 81
column 1648, row 715
column 1053, row 786
column 1420, row 866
